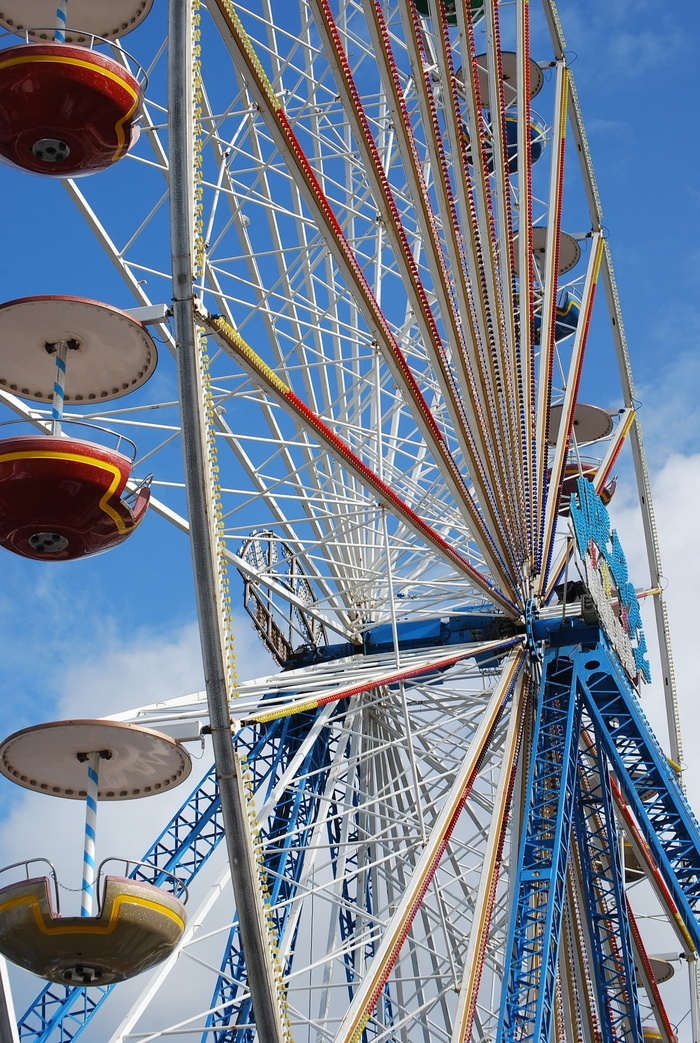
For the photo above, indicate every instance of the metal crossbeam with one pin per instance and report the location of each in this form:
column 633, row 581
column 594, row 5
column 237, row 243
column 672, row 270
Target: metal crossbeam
column 287, row 833
column 602, row 876
column 540, row 874
column 649, row 784
column 351, row 901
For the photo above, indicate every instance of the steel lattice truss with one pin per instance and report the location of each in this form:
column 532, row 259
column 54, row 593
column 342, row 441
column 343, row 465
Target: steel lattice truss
column 372, row 272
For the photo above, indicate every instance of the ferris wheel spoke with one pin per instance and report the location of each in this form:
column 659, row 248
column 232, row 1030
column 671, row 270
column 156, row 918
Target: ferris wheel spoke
column 290, row 811
column 491, row 350
column 481, row 364
column 484, row 903
column 525, row 261
column 648, row 982
column 496, row 103
column 279, row 389
column 468, row 427
column 288, row 143
column 550, row 476
column 269, row 296
column 577, row 974
column 476, row 198
column 548, row 327
column 303, row 481
column 303, row 703
column 127, row 272
column 466, row 297
column 649, row 867
column 378, row 795
column 339, row 534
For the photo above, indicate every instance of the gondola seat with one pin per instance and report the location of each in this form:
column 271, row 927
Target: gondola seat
column 138, row 926
column 65, row 111
column 61, row 498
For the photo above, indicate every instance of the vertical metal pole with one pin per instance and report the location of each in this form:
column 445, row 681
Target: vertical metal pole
column 200, row 504
column 694, row 998
column 8, row 1020
column 59, row 382
column 61, row 18
column 87, row 897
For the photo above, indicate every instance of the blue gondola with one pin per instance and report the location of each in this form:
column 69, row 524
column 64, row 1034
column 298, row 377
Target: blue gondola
column 537, row 141
column 567, row 316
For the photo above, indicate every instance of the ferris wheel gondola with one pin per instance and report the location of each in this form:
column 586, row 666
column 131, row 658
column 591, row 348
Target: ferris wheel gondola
column 68, row 109
column 64, row 496
column 136, row 925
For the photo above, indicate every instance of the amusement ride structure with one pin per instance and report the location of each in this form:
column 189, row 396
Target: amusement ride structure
column 368, row 238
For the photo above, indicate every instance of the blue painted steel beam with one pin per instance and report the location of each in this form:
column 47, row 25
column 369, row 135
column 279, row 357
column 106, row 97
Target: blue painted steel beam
column 540, row 873
column 474, row 624
column 285, row 837
column 646, row 779
column 356, row 887
column 602, row 874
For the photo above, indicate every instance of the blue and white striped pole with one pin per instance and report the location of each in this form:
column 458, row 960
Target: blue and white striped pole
column 59, row 382
column 59, row 35
column 87, row 900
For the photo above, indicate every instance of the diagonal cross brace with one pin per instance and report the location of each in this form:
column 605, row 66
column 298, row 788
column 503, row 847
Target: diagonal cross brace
column 647, row 781
column 602, row 877
column 535, row 929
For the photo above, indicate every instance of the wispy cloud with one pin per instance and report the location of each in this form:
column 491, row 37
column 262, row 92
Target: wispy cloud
column 676, row 493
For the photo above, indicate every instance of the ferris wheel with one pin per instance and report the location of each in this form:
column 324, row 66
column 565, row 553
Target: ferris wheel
column 368, row 241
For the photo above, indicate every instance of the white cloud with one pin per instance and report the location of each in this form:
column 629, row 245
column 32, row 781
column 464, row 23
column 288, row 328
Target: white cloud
column 615, row 38
column 676, row 497
column 119, row 675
